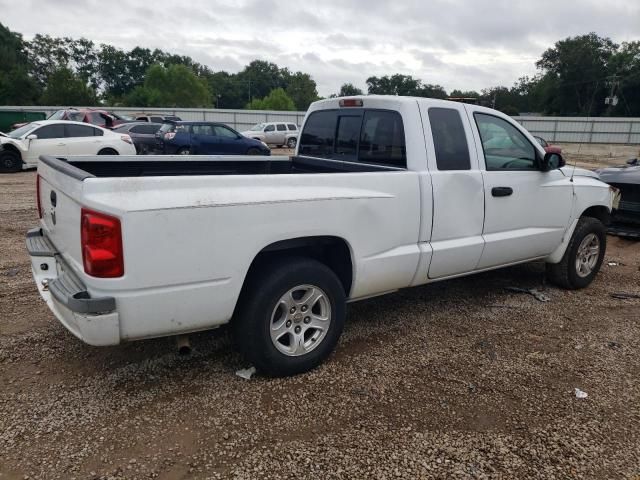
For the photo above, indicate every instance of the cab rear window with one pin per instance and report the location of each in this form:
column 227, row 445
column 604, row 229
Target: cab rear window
column 363, row 135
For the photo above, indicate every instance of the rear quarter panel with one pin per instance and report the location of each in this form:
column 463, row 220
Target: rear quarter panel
column 189, row 241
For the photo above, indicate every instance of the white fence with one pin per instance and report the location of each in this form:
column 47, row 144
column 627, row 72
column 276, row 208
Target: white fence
column 238, row 119
column 609, row 130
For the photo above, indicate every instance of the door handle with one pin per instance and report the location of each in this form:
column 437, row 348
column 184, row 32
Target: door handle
column 501, row 191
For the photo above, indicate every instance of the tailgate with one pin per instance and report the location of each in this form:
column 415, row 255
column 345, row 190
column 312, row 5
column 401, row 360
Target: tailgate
column 60, row 195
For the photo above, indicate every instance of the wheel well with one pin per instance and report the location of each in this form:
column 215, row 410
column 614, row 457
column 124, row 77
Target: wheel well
column 598, row 211
column 334, row 252
column 12, row 148
column 111, row 151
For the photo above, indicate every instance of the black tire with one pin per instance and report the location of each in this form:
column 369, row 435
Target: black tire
column 258, row 304
column 10, row 162
column 292, row 142
column 254, row 151
column 183, row 151
column 565, row 274
column 107, row 151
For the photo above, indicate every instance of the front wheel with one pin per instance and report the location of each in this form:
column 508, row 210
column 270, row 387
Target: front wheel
column 583, row 257
column 254, row 151
column 290, row 316
column 10, row 162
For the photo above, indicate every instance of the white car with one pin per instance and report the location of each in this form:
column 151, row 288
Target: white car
column 21, row 148
column 274, row 133
column 384, row 193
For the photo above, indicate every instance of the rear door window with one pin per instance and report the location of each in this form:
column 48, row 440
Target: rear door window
column 149, row 129
column 449, row 139
column 156, row 119
column 281, row 127
column 382, row 139
column 202, row 130
column 74, row 131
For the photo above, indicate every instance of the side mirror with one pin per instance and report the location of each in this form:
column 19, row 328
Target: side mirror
column 552, row 161
column 33, row 136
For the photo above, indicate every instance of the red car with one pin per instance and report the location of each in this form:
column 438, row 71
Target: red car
column 101, row 118
column 548, row 148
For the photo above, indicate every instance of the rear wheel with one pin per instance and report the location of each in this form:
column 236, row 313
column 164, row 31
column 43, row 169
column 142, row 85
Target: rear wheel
column 292, row 142
column 107, row 151
column 583, row 257
column 290, row 316
column 10, row 162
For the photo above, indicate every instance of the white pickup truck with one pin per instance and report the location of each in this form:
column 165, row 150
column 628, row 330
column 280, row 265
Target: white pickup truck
column 383, row 193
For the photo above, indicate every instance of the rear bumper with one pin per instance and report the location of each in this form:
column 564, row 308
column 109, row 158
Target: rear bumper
column 93, row 320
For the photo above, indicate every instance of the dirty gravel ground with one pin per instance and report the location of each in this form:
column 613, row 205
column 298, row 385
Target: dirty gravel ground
column 461, row 379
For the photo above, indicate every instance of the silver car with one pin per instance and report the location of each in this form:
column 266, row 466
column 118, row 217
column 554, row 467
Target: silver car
column 274, row 133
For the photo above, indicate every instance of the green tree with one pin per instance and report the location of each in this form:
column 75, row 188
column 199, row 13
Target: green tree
column 260, row 77
column 66, row 88
column 16, row 86
column 226, row 91
column 301, row 88
column 349, row 90
column 625, row 65
column 172, row 86
column 464, row 94
column 404, row 85
column 576, row 69
column 47, row 54
column 276, row 100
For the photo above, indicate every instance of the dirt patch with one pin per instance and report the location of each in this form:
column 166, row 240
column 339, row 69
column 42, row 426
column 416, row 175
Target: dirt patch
column 452, row 380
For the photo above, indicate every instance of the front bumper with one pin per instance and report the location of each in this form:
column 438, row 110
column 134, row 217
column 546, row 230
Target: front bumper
column 93, row 320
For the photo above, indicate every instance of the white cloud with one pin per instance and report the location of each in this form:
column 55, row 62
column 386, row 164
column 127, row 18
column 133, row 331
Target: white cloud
column 455, row 43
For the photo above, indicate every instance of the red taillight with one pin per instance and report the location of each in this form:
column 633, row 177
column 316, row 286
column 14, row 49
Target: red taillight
column 350, row 102
column 101, row 240
column 38, row 196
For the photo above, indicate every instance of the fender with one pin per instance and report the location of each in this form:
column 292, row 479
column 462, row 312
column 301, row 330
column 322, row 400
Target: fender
column 588, row 192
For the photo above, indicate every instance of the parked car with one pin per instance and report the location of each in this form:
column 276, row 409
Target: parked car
column 156, row 118
column 101, row 118
column 143, row 135
column 625, row 220
column 547, row 147
column 274, row 133
column 205, row 138
column 21, row 148
column 384, row 193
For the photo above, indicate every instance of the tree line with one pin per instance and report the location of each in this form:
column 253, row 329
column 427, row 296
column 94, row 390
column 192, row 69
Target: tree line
column 574, row 77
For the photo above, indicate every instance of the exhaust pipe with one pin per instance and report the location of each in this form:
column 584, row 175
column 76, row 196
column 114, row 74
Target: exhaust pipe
column 183, row 344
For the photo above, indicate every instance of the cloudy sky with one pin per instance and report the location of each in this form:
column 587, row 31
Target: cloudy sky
column 466, row 44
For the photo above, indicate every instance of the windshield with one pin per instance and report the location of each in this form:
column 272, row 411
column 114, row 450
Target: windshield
column 258, row 127
column 166, row 127
column 18, row 132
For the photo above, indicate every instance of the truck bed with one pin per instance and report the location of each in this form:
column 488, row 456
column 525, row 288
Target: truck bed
column 182, row 165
